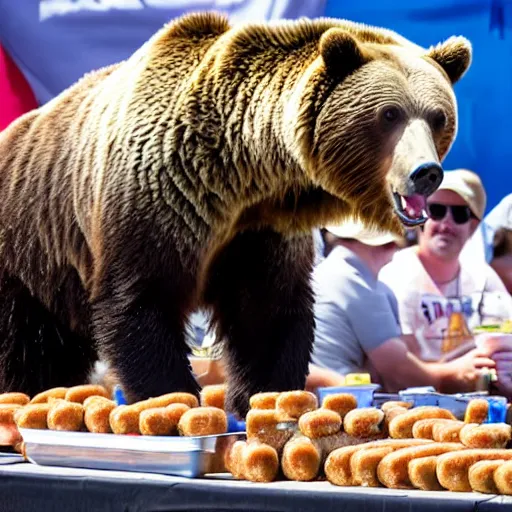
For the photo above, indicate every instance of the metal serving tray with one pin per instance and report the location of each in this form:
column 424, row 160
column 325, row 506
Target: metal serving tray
column 170, row 455
column 10, row 458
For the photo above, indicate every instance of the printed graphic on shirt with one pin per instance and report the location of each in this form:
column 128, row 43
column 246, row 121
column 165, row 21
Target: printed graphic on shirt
column 434, row 319
column 435, row 311
column 434, row 307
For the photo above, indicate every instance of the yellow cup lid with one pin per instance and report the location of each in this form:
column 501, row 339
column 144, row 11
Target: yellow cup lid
column 357, row 379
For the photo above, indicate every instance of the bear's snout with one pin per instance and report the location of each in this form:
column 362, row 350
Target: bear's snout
column 425, row 179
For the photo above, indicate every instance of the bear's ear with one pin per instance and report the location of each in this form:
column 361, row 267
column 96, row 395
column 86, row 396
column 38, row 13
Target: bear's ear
column 454, row 56
column 341, row 52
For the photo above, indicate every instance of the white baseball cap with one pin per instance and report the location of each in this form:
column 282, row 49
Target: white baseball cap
column 356, row 230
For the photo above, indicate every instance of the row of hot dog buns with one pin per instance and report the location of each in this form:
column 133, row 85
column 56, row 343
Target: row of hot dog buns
column 89, row 408
column 396, row 446
column 290, row 435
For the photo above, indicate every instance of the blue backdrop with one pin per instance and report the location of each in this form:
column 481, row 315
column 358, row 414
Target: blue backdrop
column 484, row 140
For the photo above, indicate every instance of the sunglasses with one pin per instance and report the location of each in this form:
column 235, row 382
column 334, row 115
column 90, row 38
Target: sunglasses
column 460, row 213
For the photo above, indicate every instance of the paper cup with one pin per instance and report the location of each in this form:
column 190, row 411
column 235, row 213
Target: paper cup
column 494, row 341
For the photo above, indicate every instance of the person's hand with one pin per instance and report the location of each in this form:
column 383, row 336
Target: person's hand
column 492, row 343
column 503, row 362
column 467, row 370
column 208, row 371
column 9, row 435
column 322, row 378
column 499, row 348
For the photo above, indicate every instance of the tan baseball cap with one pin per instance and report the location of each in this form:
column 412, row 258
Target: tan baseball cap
column 356, row 230
column 467, row 185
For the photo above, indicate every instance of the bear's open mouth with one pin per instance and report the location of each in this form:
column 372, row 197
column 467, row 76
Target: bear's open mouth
column 411, row 210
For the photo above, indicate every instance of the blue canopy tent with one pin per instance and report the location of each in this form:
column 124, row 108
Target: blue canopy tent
column 484, row 140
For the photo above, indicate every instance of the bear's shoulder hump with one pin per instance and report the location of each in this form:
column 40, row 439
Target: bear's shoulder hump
column 198, row 25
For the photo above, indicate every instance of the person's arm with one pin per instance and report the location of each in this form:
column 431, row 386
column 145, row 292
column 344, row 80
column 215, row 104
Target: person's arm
column 210, row 371
column 322, row 378
column 399, row 368
column 412, row 344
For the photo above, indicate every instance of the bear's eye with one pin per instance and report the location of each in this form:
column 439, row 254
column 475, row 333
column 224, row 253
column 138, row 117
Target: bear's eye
column 391, row 115
column 439, row 120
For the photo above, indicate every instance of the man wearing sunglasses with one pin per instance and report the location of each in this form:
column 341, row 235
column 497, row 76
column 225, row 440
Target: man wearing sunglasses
column 357, row 324
column 426, row 278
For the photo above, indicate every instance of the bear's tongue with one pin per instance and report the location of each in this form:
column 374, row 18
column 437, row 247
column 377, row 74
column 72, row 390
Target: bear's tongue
column 414, row 205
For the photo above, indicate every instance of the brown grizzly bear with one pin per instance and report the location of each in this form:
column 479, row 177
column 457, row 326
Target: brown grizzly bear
column 190, row 175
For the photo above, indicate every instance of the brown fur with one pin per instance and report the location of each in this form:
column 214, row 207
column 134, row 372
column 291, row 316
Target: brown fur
column 190, row 175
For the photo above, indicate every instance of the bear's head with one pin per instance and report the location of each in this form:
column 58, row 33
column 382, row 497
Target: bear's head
column 387, row 118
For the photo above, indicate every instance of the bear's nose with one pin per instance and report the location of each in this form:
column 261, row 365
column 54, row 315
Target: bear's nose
column 426, row 178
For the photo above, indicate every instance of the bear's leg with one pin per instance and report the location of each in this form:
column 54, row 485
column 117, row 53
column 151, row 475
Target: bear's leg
column 140, row 328
column 37, row 350
column 262, row 299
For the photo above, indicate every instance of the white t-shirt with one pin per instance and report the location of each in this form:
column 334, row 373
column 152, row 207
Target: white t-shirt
column 424, row 307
